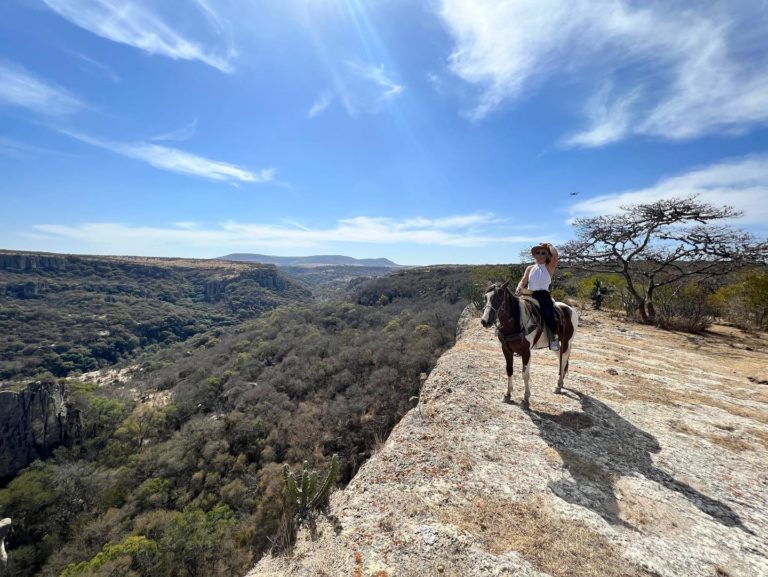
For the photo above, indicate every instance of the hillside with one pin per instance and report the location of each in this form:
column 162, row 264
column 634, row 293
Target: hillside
column 170, row 462
column 310, row 261
column 335, row 282
column 652, row 464
column 63, row 313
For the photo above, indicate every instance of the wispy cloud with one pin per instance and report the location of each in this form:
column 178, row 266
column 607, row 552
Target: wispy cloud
column 20, row 88
column 366, row 88
column 453, row 231
column 687, row 72
column 741, row 183
column 175, row 160
column 180, row 134
column 18, row 149
column 322, row 102
column 610, row 119
column 135, row 24
column 101, row 67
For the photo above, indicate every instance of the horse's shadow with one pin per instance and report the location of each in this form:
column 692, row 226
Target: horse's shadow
column 598, row 447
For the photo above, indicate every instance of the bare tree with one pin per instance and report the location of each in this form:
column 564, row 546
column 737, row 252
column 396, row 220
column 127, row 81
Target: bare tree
column 661, row 243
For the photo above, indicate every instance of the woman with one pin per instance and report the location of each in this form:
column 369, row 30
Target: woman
column 537, row 278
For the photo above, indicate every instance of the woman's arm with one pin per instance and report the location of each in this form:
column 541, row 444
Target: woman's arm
column 523, row 281
column 554, row 260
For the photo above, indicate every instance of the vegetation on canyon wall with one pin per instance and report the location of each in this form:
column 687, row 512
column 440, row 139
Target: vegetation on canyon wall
column 184, row 476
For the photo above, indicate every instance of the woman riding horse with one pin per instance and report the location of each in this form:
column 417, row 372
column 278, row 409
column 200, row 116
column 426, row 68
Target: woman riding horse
column 538, row 277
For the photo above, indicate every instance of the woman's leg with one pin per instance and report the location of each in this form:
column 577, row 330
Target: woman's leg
column 547, row 308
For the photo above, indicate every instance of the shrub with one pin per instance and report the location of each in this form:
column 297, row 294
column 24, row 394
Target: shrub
column 744, row 303
column 683, row 307
column 134, row 550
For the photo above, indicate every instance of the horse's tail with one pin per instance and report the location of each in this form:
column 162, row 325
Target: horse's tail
column 572, row 313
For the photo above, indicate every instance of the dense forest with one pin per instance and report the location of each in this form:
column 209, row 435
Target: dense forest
column 179, row 472
column 65, row 313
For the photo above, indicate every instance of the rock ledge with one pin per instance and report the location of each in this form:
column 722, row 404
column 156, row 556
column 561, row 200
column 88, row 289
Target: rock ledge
column 652, row 463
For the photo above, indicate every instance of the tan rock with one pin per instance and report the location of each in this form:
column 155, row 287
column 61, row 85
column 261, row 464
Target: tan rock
column 658, row 468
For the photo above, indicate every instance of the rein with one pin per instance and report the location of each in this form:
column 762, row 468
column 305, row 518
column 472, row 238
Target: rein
column 514, row 336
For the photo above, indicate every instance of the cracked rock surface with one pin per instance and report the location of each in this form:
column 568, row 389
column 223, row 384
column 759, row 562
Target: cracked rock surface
column 653, row 463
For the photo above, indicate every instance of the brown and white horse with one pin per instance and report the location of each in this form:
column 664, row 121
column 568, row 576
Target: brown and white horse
column 520, row 329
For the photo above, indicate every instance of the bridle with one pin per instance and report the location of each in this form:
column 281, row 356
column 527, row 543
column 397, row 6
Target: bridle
column 495, row 310
column 505, row 338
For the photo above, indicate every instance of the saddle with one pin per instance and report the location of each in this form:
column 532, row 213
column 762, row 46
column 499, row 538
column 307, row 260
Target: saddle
column 532, row 307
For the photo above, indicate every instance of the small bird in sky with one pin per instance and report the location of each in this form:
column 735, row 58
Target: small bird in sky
column 573, row 193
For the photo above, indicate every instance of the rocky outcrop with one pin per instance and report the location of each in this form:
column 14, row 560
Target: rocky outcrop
column 26, row 262
column 33, row 421
column 266, row 277
column 653, row 463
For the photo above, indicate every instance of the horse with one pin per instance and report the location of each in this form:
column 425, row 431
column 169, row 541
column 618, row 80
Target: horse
column 520, row 329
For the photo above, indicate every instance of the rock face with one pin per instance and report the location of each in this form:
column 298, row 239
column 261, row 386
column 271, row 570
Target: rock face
column 21, row 261
column 33, row 421
column 653, row 463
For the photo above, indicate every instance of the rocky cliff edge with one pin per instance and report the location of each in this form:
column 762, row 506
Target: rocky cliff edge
column 652, row 463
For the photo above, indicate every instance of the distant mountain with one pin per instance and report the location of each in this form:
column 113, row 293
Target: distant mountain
column 310, row 261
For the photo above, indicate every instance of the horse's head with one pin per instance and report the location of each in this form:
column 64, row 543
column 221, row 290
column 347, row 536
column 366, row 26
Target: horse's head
column 494, row 301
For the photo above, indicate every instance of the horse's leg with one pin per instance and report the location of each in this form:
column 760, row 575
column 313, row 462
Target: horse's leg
column 509, row 356
column 526, row 354
column 565, row 352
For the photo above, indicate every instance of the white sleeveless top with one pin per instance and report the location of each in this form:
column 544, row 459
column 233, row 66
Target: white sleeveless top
column 539, row 279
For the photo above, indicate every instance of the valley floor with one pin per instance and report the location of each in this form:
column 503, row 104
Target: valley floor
column 653, row 462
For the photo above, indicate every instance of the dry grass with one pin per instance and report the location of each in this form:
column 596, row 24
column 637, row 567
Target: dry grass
column 731, row 442
column 760, row 437
column 646, row 514
column 547, row 541
column 650, row 393
column 553, row 457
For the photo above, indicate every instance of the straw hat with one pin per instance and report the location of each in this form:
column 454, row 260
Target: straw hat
column 540, row 246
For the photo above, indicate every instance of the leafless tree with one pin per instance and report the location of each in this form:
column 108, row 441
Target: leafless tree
column 663, row 242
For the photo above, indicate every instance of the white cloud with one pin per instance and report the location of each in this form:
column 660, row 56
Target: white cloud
column 180, row 134
column 473, row 230
column 320, row 104
column 688, row 72
column 610, row 120
column 101, row 67
column 135, row 24
column 19, row 149
column 175, row 160
column 741, row 183
column 366, row 88
column 20, row 88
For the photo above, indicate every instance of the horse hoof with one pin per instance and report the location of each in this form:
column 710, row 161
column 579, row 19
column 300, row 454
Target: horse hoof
column 525, row 404
column 507, row 399
column 558, row 391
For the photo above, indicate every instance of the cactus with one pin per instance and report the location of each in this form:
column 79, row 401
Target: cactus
column 303, row 492
column 598, row 294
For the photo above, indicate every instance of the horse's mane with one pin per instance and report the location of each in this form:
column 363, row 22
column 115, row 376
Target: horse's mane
column 514, row 310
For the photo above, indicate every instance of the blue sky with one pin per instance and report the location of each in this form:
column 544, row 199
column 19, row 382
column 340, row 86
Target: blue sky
column 443, row 131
